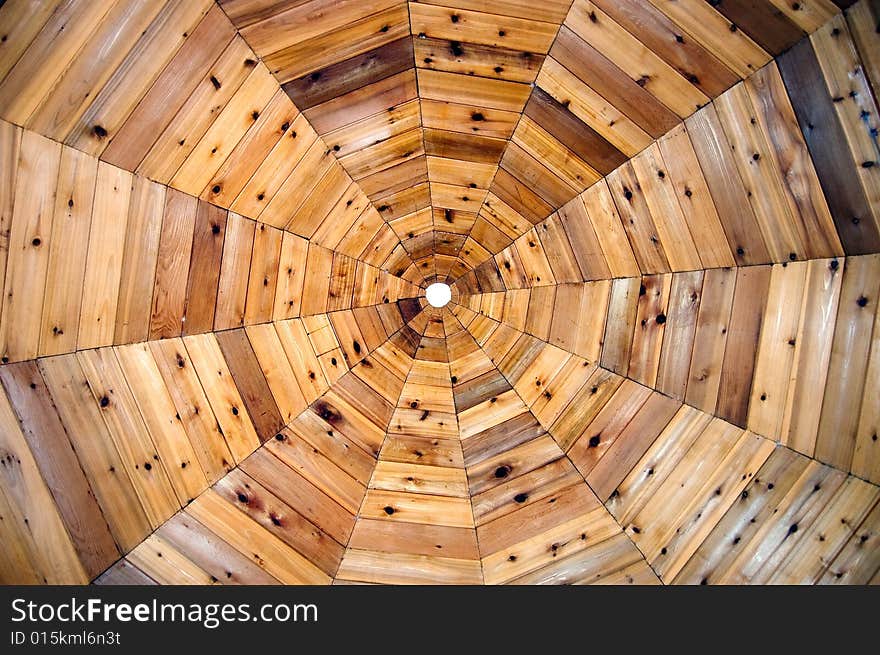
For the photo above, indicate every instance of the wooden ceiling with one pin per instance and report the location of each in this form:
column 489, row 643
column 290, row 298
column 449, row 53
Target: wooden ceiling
column 660, row 221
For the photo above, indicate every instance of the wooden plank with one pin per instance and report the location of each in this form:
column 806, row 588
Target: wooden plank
column 622, row 308
column 811, row 220
column 663, row 36
column 659, row 461
column 166, row 96
column 36, row 540
column 632, row 443
column 866, row 459
column 846, row 76
column 254, row 541
column 97, row 454
column 812, row 355
column 135, row 75
column 71, row 221
column 765, row 24
column 57, row 461
column 417, row 508
column 165, row 564
column 325, row 44
column 611, row 83
column 210, row 553
column 50, row 53
column 776, row 348
column 236, row 118
column 726, row 187
column 710, row 338
column 140, row 254
column 28, row 246
column 27, row 18
column 397, row 568
column 275, row 168
column 591, row 108
column 251, row 383
column 604, row 220
column 634, row 58
column 172, row 267
column 672, row 228
column 277, row 371
column 312, row 503
column 336, row 483
column 572, row 132
column 212, row 93
column 160, row 416
column 191, row 402
column 10, row 146
column 124, row 573
column 536, row 520
column 414, row 539
column 316, row 285
column 103, row 271
column 121, row 415
column 223, row 396
column 715, row 33
column 481, row 28
column 487, row 61
column 827, row 143
column 694, row 198
column 333, row 446
column 740, row 354
column 204, row 269
column 649, row 250
column 235, row 267
column 302, row 357
column 263, row 276
column 275, row 121
column 291, row 273
column 110, row 42
column 855, row 563
column 841, row 406
column 358, row 71
column 650, row 324
column 678, row 337
column 274, row 514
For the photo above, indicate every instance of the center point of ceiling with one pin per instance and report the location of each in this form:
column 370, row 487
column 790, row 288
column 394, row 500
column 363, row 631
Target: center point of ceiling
column 438, row 294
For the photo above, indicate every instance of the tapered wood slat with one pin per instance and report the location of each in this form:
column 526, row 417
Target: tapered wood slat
column 57, row 462
column 71, row 224
column 97, row 453
column 104, row 261
column 28, row 246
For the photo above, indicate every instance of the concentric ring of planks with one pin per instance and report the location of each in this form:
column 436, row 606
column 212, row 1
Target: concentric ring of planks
column 660, row 220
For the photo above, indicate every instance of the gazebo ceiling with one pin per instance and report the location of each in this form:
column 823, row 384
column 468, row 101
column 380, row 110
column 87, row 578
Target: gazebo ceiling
column 660, row 223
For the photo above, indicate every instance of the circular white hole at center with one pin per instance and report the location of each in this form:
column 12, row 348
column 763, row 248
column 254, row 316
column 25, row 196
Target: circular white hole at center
column 438, row 294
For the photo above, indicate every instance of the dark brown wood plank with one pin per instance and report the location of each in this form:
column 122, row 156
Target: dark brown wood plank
column 351, row 74
column 455, row 145
column 573, row 133
column 769, row 28
column 827, row 143
column 744, row 329
column 204, row 268
column 251, row 383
